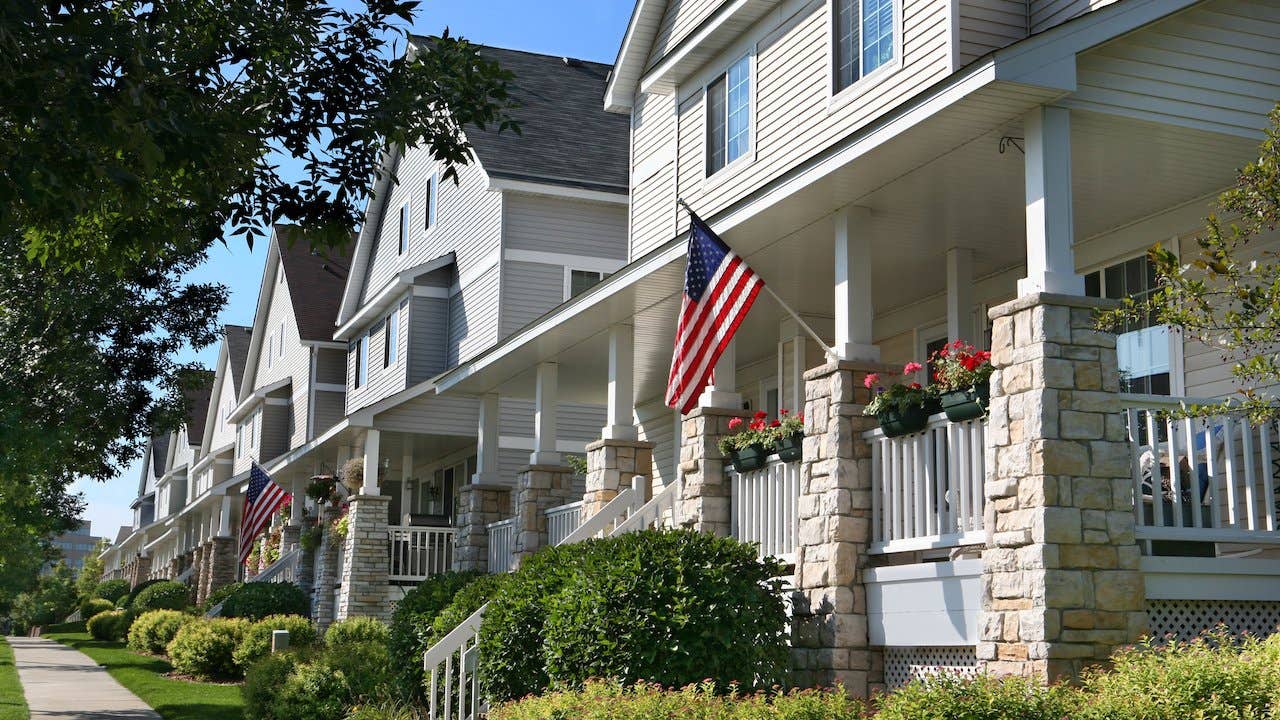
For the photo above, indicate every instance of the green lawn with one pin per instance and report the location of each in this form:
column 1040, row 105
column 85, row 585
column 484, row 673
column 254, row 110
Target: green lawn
column 13, row 706
column 144, row 675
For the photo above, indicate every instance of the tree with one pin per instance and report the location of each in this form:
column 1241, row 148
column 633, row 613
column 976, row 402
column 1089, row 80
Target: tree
column 133, row 135
column 91, row 572
column 1228, row 295
column 49, row 602
column 31, row 513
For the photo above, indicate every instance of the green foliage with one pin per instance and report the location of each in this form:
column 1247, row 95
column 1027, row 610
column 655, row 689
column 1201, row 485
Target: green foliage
column 165, row 595
column 263, row 681
column 323, row 684
column 153, row 631
column 465, row 602
column 127, row 602
column 649, row 701
column 206, row 648
column 258, row 600
column 109, row 625
column 33, row 508
column 111, row 590
column 577, row 462
column 256, row 643
column 410, row 632
column 948, row 697
column 355, row 631
column 51, row 601
column 90, row 573
column 13, row 703
column 92, row 606
column 218, row 596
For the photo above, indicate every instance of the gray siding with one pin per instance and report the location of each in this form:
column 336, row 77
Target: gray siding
column 561, row 225
column 224, row 433
column 473, row 317
column 433, row 414
column 1047, row 13
column 428, row 332
column 331, row 366
column 529, row 290
column 510, row 462
column 657, row 425
column 330, row 409
column 653, row 191
column 576, row 421
column 381, row 382
column 293, row 363
column 275, row 431
column 988, row 25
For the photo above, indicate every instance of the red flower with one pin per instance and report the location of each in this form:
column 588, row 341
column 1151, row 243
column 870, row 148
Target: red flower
column 801, row 416
column 757, row 424
column 970, row 363
column 915, row 386
column 784, row 412
column 912, row 367
column 735, row 423
column 775, row 423
column 870, row 379
column 760, row 415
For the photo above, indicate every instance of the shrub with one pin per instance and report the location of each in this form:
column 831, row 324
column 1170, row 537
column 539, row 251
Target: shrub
column 263, row 681
column 111, row 590
column 946, row 697
column 206, row 648
column 644, row 701
column 109, row 625
column 312, row 691
column 465, row 602
column 258, row 600
column 154, row 630
column 218, row 596
column 356, row 630
column 127, row 602
column 166, row 595
column 92, row 606
column 256, row 643
column 298, row 686
column 411, row 633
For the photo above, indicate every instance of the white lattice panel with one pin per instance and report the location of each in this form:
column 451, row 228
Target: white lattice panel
column 904, row 664
column 1186, row 619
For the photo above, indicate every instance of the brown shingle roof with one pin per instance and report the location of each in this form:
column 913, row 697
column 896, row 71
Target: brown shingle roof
column 237, row 338
column 197, row 394
column 315, row 281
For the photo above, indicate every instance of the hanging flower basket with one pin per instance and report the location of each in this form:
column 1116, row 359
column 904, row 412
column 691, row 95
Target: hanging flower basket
column 896, row 422
column 748, row 458
column 967, row 404
column 962, row 374
column 790, row 447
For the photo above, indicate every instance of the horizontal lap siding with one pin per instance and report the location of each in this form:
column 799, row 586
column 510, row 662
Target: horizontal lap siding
column 330, row 409
column 295, row 363
column 275, row 432
column 988, row 25
column 433, row 414
column 652, row 208
column 382, row 381
column 681, row 18
column 657, row 425
column 428, row 331
column 510, row 462
column 1216, row 68
column 558, row 225
column 1047, row 13
column 331, row 366
column 575, row 421
column 224, row 433
column 529, row 290
column 473, row 317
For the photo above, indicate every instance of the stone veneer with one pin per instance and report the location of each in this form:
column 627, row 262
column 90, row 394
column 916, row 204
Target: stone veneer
column 478, row 505
column 198, row 576
column 224, row 561
column 704, row 492
column 365, row 560
column 610, row 466
column 326, row 570
column 289, row 535
column 829, row 623
column 1061, row 585
column 141, row 570
column 306, row 572
column 539, row 488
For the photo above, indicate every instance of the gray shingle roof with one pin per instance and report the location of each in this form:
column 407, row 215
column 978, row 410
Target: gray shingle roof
column 197, row 396
column 159, row 451
column 566, row 136
column 237, row 338
column 315, row 281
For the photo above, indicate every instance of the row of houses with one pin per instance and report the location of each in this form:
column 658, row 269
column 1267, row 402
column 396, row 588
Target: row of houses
column 901, row 173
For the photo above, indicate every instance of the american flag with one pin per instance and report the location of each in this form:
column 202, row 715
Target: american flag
column 719, row 289
column 262, row 500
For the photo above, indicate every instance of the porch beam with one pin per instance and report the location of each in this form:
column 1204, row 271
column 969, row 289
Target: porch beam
column 722, row 391
column 1050, row 224
column 487, row 441
column 372, row 447
column 960, row 295
column 620, row 424
column 854, row 310
column 546, row 397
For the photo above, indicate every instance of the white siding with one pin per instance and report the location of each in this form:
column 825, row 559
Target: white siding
column 1047, row 13
column 380, row 382
column 988, row 25
column 653, row 191
column 1215, row 67
column 473, row 317
column 529, row 290
column 224, row 433
column 560, row 225
column 295, row 363
column 330, row 409
column 681, row 18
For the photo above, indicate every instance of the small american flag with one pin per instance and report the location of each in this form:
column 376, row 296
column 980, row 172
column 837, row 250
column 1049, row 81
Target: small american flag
column 262, row 500
column 719, row 289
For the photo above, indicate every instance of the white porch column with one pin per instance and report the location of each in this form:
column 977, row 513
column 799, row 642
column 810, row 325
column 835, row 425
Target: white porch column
column 722, row 391
column 1050, row 231
column 620, row 424
column 544, row 417
column 487, row 441
column 791, row 365
column 224, row 517
column 854, row 310
column 406, row 480
column 960, row 295
column 372, row 442
column 299, row 498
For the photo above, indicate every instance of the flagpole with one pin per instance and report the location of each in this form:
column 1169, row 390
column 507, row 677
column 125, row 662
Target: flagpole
column 830, row 351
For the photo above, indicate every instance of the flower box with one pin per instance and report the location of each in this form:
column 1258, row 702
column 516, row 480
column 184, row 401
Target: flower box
column 748, row 458
column 790, row 447
column 896, row 422
column 968, row 404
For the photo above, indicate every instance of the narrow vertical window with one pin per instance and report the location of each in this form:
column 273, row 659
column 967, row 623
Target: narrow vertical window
column 430, row 220
column 863, row 39
column 729, row 116
column 391, row 340
column 846, row 43
column 271, row 348
column 404, row 228
column 362, row 361
column 281, row 349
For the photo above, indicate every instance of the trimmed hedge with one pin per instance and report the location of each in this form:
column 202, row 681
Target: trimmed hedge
column 153, row 631
column 255, row 601
column 206, row 648
column 164, row 595
column 109, row 625
column 356, row 630
column 263, row 682
column 982, row 698
column 256, row 642
column 218, row 596
column 92, row 606
column 323, row 685
column 412, row 620
column 127, row 602
column 649, row 701
column 111, row 590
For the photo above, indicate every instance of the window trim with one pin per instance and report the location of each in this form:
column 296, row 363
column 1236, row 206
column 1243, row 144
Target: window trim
column 569, row 270
column 387, row 345
column 864, row 83
column 746, row 158
column 361, row 347
column 433, row 191
column 403, row 246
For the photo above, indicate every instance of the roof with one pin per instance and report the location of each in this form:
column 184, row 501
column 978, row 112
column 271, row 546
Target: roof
column 566, row 137
column 159, row 451
column 315, row 280
column 237, row 338
column 197, row 394
column 124, row 532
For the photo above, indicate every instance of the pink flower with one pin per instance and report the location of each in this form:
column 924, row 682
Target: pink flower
column 912, row 367
column 870, row 379
column 735, row 423
column 760, row 415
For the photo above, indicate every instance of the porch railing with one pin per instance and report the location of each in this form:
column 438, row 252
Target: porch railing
column 417, row 553
column 926, row 487
column 285, row 569
column 1211, row 479
column 502, row 545
column 764, row 507
column 562, row 520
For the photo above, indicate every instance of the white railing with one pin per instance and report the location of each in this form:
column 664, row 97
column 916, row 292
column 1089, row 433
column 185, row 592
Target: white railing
column 1211, row 479
column 502, row 545
column 451, row 663
column 283, row 570
column 764, row 507
column 926, row 487
column 562, row 520
column 417, row 553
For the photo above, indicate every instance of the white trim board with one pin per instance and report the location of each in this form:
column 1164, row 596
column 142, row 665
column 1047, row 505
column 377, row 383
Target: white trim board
column 576, row 262
column 1185, row 578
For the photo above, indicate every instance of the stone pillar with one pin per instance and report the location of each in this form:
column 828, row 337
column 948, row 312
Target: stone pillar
column 175, row 566
column 365, row 560
column 197, row 575
column 704, row 494
column 306, row 565
column 829, row 636
column 610, row 466
column 289, row 535
column 539, row 487
column 1061, row 585
column 141, row 570
column 326, row 570
column 223, row 562
column 478, row 505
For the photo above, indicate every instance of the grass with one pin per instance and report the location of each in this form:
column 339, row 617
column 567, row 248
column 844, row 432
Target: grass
column 145, row 677
column 13, row 706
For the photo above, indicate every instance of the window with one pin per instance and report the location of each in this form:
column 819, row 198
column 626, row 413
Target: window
column 271, row 348
column 280, row 349
column 1143, row 348
column 404, row 228
column 729, row 116
column 239, row 439
column 430, row 203
column 362, row 361
column 864, row 39
column 391, row 339
column 581, row 281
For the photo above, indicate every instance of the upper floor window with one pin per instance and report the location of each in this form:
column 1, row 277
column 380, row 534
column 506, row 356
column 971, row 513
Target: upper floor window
column 729, row 116
column 581, row 281
column 362, row 361
column 271, row 348
column 280, row 349
column 430, row 203
column 1143, row 349
column 391, row 339
column 863, row 38
column 404, row 228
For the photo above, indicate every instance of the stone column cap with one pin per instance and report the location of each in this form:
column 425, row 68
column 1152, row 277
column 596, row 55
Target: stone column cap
column 362, row 497
column 1029, row 301
column 719, row 411
column 564, row 469
column 831, row 367
column 485, row 486
column 638, row 444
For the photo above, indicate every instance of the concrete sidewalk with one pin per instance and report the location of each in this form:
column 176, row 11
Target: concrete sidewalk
column 61, row 682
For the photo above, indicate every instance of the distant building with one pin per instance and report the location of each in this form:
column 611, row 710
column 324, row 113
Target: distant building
column 76, row 546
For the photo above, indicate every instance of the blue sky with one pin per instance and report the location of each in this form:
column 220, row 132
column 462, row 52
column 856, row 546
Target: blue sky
column 584, row 29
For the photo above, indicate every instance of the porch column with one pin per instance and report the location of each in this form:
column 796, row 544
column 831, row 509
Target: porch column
column 487, row 442
column 478, row 505
column 854, row 310
column 222, row 554
column 704, row 489
column 406, row 481
column 1061, row 584
column 539, row 488
column 372, row 441
column 326, row 569
column 791, row 365
column 364, row 563
column 544, row 418
column 224, row 517
column 620, row 424
column 1050, row 232
column 960, row 295
column 291, row 533
column 722, row 391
